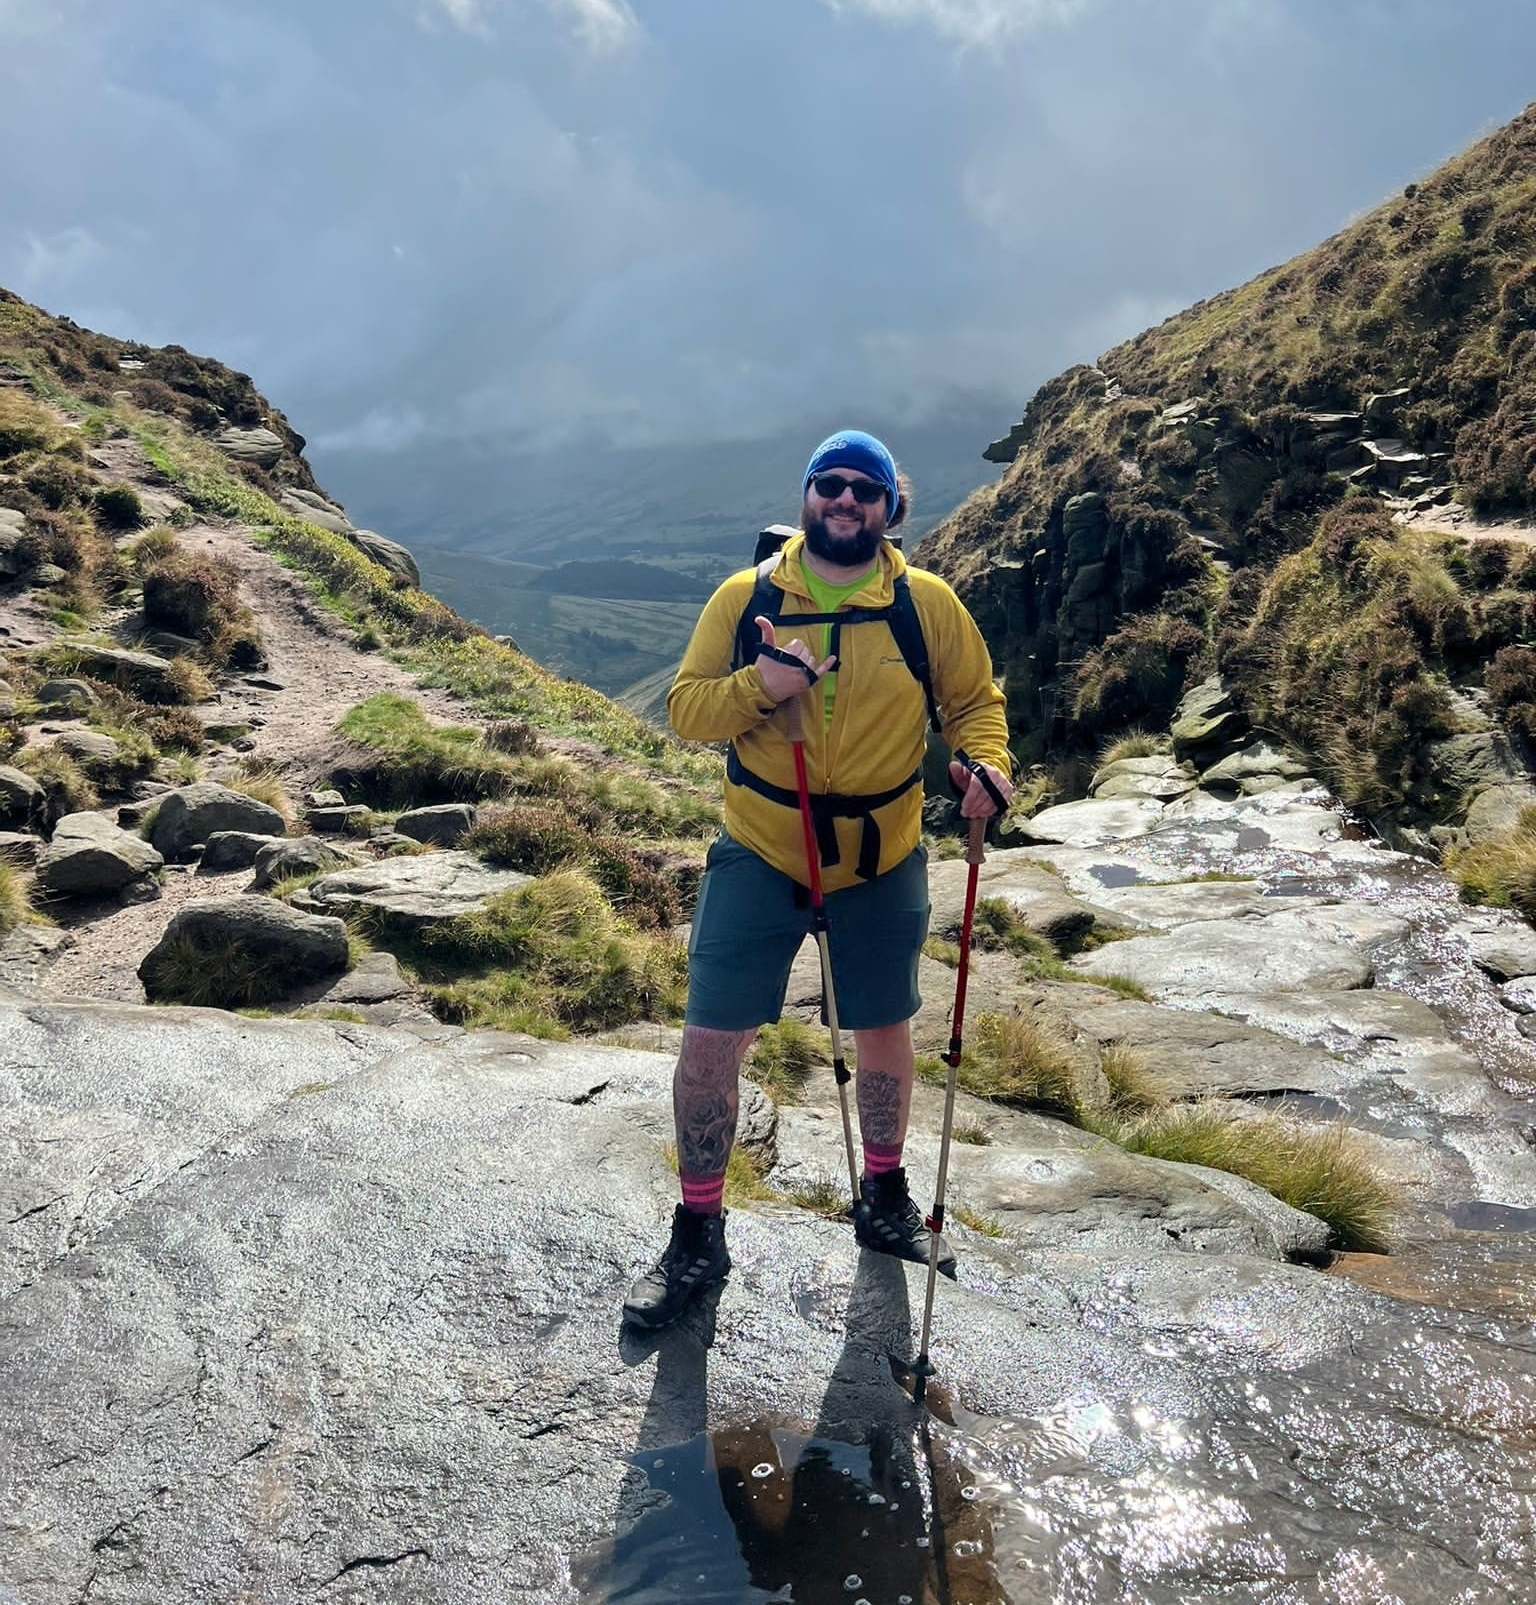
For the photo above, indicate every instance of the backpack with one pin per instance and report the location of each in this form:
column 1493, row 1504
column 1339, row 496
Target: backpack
column 899, row 616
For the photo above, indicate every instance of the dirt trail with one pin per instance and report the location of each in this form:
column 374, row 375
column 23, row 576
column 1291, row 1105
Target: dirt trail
column 311, row 655
column 1450, row 518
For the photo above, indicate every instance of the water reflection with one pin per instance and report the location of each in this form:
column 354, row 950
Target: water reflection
column 868, row 1505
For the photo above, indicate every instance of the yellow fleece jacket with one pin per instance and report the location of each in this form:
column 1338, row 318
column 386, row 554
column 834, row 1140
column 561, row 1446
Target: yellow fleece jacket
column 876, row 738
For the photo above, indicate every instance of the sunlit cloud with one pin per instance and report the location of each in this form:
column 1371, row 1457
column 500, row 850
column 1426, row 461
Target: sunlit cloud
column 601, row 25
column 972, row 21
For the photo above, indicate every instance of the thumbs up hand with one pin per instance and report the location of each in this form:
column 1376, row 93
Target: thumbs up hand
column 787, row 671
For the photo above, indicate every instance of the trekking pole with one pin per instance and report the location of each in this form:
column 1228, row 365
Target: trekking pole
column 974, row 856
column 794, row 728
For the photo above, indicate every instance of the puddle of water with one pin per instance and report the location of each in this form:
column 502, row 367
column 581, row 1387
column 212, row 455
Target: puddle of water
column 1478, row 1215
column 762, row 1513
column 1114, row 874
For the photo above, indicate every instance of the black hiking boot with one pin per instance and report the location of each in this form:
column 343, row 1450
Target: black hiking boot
column 887, row 1221
column 694, row 1260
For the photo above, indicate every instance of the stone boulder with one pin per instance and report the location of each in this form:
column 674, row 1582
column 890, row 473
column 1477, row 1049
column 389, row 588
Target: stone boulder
column 93, row 750
column 233, row 849
column 188, row 816
column 89, row 856
column 349, row 819
column 16, row 553
column 22, row 800
column 443, row 824
column 19, row 849
column 1087, row 824
column 233, row 951
column 1207, row 723
column 259, row 446
column 1039, row 899
column 146, row 674
column 413, row 891
column 1506, row 949
column 1496, row 810
column 387, row 554
column 302, row 855
column 1159, row 778
column 315, row 509
column 1256, row 768
column 62, row 696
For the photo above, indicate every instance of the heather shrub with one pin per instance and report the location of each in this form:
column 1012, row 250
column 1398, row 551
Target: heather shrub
column 118, row 507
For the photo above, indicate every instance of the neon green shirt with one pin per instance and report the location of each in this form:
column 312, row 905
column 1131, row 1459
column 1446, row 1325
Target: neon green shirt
column 828, row 599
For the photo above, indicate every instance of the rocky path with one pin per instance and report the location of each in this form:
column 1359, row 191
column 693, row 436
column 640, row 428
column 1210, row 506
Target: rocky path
column 315, row 671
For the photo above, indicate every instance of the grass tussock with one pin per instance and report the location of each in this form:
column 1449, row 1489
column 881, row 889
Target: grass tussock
column 549, row 958
column 1326, row 1171
column 1134, row 744
column 14, row 907
column 1030, row 1062
column 783, row 1057
column 206, row 973
column 67, row 788
column 986, row 1225
column 265, row 784
column 1500, row 872
column 416, row 761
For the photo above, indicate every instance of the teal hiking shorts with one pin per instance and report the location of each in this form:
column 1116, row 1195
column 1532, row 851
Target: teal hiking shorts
column 751, row 919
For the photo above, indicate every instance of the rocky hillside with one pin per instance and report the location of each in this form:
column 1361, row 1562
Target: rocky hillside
column 1319, row 484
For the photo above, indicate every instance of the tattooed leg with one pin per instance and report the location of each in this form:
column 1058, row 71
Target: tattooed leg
column 884, row 1087
column 704, row 1103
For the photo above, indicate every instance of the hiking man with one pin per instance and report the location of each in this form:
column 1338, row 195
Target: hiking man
column 864, row 745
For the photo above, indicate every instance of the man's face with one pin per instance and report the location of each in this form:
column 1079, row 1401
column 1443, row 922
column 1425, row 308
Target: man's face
column 841, row 529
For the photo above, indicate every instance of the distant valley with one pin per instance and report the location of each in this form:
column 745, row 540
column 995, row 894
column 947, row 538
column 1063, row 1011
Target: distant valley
column 598, row 564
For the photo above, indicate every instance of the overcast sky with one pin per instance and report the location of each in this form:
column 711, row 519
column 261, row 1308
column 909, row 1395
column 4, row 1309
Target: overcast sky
column 675, row 220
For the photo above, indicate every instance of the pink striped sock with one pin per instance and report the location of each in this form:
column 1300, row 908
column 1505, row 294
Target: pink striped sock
column 703, row 1194
column 878, row 1158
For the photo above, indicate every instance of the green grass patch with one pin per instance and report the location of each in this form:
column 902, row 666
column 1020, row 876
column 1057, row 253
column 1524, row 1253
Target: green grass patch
column 1328, row 1171
column 14, row 908
column 985, row 1224
column 547, row 958
column 783, row 1057
column 1500, row 872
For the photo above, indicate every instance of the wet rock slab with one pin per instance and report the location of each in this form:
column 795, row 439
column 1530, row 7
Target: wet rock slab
column 328, row 1318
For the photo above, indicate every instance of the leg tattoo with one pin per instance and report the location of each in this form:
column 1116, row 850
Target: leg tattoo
column 705, row 1098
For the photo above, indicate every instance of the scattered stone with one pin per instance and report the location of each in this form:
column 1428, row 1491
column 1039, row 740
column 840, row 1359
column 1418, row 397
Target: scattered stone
column 19, row 850
column 1280, row 954
column 259, row 446
column 387, row 554
column 145, row 673
column 1159, row 778
column 49, row 574
column 443, row 824
column 1258, row 767
column 90, row 747
column 57, row 696
column 263, row 683
column 187, row 817
column 22, row 801
column 415, row 890
column 348, row 820
column 1506, row 952
column 1087, row 824
column 257, row 947
column 316, row 509
column 1206, row 722
column 301, row 855
column 1041, row 901
column 233, row 849
column 89, row 856
column 147, row 890
column 168, row 643
column 376, row 978
column 1517, row 995
column 325, row 799
column 28, row 950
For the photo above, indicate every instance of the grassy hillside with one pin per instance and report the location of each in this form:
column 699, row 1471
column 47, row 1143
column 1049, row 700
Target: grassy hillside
column 1177, row 507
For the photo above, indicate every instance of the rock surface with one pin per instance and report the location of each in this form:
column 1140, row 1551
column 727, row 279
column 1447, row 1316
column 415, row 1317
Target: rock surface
column 247, row 950
column 414, row 890
column 91, row 857
column 282, row 1284
column 187, row 817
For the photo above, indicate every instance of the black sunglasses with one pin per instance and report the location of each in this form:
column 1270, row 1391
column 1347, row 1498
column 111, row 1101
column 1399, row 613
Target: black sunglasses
column 865, row 491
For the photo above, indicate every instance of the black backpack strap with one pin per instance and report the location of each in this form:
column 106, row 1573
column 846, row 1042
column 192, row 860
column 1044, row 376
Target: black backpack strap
column 907, row 628
column 826, row 807
column 766, row 601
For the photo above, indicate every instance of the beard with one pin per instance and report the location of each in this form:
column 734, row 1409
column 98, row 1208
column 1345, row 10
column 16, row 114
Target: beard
column 846, row 551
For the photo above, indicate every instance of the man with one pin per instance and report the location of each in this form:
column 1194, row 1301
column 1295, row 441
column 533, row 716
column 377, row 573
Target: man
column 863, row 718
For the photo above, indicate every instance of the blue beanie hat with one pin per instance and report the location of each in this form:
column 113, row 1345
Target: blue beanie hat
column 852, row 448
